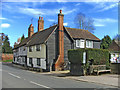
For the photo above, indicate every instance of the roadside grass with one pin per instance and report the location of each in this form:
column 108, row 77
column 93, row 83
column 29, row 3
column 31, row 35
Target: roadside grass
column 7, row 60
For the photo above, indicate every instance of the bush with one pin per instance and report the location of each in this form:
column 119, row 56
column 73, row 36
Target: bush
column 100, row 56
column 75, row 56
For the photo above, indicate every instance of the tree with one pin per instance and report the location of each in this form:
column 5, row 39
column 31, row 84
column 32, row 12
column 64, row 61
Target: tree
column 84, row 22
column 6, row 48
column 22, row 38
column 106, row 41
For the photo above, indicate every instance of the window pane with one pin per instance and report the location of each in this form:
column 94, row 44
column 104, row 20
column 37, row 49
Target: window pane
column 87, row 43
column 30, row 60
column 38, row 62
column 82, row 43
column 77, row 43
column 38, row 47
column 30, row 49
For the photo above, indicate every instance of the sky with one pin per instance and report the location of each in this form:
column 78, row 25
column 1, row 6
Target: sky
column 16, row 16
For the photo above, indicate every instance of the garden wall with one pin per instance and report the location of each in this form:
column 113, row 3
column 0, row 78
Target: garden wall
column 7, row 56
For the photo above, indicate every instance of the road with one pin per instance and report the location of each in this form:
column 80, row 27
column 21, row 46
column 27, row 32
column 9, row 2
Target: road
column 13, row 77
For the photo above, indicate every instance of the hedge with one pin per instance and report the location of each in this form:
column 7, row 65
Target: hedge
column 75, row 56
column 100, row 56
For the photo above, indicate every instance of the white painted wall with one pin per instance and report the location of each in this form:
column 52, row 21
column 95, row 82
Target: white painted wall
column 34, row 60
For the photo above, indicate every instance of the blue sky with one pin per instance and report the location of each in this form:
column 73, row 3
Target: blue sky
column 16, row 16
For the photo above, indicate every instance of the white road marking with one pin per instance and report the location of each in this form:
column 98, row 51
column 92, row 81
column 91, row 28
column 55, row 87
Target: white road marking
column 14, row 75
column 39, row 84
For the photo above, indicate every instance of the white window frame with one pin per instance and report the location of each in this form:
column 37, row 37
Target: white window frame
column 82, row 41
column 90, row 44
column 77, row 41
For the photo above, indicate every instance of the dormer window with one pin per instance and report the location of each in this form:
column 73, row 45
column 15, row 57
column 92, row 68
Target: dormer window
column 38, row 47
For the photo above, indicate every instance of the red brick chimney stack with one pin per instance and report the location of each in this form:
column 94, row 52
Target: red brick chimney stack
column 40, row 24
column 60, row 59
column 30, row 30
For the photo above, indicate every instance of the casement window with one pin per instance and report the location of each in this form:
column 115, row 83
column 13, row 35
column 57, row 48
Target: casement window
column 38, row 47
column 80, row 43
column 30, row 48
column 38, row 61
column 77, row 43
column 89, row 44
column 30, row 60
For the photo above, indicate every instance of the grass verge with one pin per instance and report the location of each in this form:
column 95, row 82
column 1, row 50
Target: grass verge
column 7, row 60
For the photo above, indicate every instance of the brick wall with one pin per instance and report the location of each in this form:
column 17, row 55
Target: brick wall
column 7, row 56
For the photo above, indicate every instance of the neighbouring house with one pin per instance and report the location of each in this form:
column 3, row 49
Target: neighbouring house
column 114, row 49
column 47, row 48
column 20, row 50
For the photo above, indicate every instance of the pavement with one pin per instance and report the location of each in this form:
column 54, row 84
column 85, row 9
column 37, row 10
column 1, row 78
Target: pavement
column 16, row 77
column 105, row 79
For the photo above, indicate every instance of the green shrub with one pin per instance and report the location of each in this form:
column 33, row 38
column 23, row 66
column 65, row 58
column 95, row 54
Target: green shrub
column 75, row 56
column 100, row 56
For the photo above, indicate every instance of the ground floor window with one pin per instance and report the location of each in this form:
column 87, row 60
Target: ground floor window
column 30, row 60
column 38, row 62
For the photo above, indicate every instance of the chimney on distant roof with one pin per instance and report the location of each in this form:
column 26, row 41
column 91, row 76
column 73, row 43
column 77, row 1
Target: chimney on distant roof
column 40, row 24
column 60, row 59
column 30, row 30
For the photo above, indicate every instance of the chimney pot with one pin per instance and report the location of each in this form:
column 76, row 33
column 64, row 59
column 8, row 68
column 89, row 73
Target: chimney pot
column 40, row 24
column 60, row 11
column 30, row 25
column 39, row 18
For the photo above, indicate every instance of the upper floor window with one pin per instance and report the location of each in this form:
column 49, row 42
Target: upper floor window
column 77, row 43
column 38, row 61
column 80, row 43
column 38, row 47
column 23, row 48
column 30, row 48
column 89, row 44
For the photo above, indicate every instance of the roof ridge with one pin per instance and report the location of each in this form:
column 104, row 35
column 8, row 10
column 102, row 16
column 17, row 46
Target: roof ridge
column 76, row 29
column 48, row 28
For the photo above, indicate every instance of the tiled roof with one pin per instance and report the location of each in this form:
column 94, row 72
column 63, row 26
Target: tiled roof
column 79, row 33
column 41, row 37
column 114, row 46
column 22, row 43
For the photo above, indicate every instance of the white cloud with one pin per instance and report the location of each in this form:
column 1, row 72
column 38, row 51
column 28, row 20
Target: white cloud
column 109, row 7
column 51, row 20
column 60, row 1
column 100, row 22
column 3, row 18
column 69, row 11
column 98, row 25
column 34, row 11
column 65, row 24
column 5, row 25
column 77, row 4
column 105, row 20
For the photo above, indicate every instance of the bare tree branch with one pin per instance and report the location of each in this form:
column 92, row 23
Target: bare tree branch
column 84, row 22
